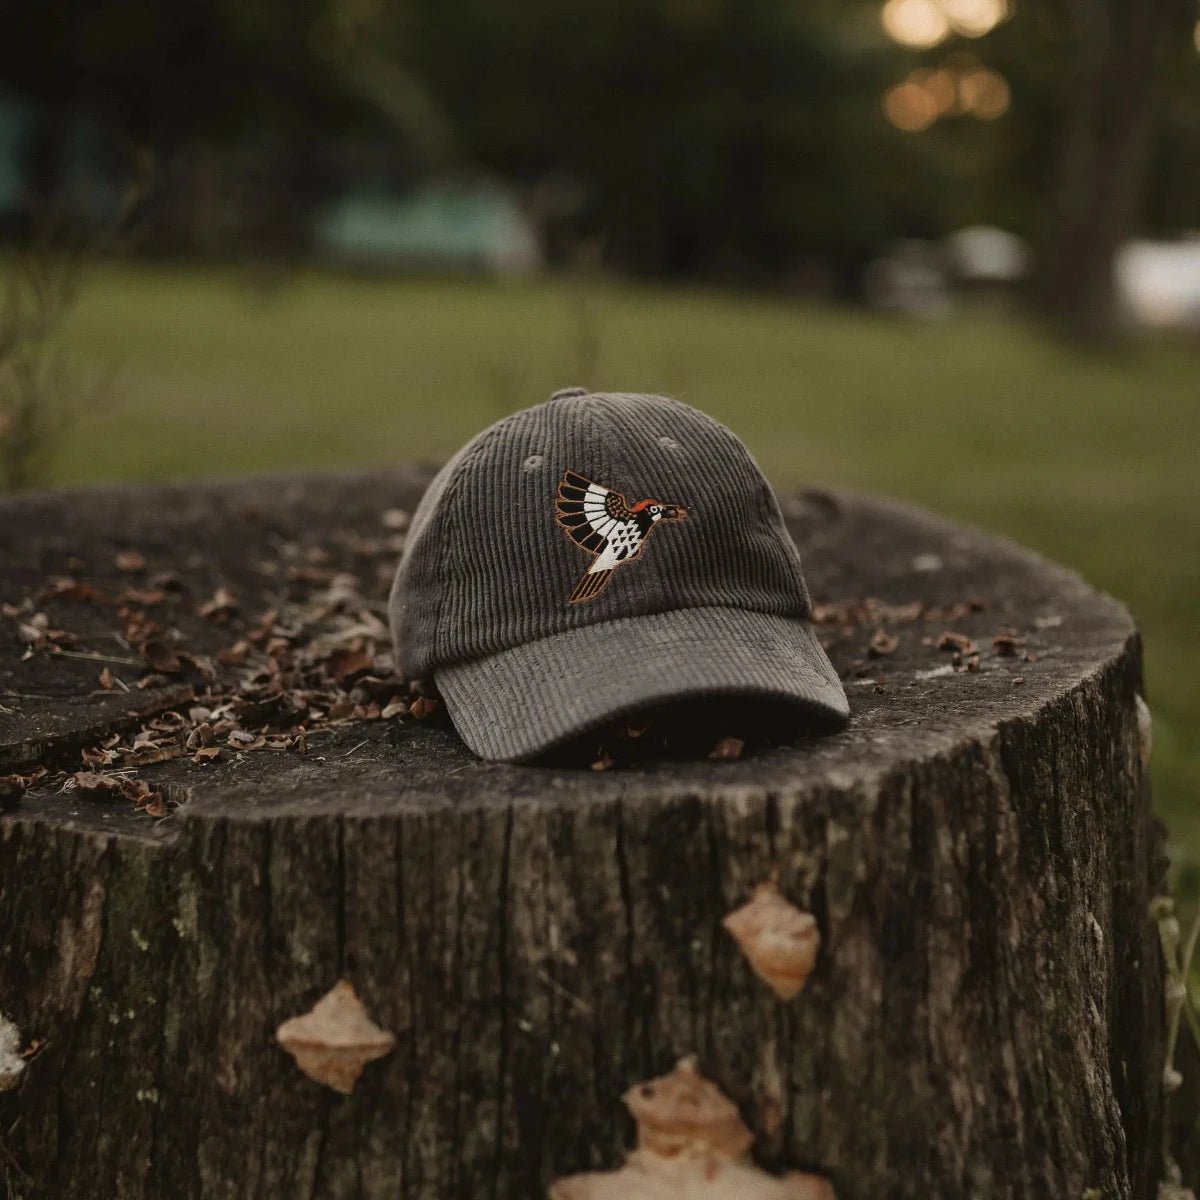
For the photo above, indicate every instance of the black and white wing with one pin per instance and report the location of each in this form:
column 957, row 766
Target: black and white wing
column 589, row 512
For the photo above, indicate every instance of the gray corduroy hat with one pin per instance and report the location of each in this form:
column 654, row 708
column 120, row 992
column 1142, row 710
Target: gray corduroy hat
column 595, row 555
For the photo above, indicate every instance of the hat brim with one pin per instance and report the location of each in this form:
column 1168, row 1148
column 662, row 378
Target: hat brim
column 518, row 704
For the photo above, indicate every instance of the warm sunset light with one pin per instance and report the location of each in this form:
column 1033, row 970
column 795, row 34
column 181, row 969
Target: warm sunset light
column 974, row 18
column 910, row 107
column 942, row 86
column 984, row 93
column 916, row 23
column 924, row 23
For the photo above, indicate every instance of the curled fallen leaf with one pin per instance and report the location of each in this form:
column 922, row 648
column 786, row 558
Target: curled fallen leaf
column 728, row 749
column 239, row 739
column 235, row 655
column 692, row 1145
column 96, row 785
column 201, row 736
column 648, row 1176
column 12, row 789
column 882, row 644
column 222, row 605
column 779, row 940
column 342, row 709
column 333, row 1043
column 146, row 596
column 1006, row 644
column 97, row 756
column 160, row 657
column 683, row 1112
column 958, row 642
column 423, row 707
column 345, row 664
column 130, row 561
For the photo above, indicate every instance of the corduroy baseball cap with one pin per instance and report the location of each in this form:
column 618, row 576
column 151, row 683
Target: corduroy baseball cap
column 595, row 555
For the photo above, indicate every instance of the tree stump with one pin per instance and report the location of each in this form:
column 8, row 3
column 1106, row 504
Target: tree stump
column 985, row 1014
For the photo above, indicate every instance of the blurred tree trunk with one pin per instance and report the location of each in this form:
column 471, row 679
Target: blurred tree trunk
column 1103, row 150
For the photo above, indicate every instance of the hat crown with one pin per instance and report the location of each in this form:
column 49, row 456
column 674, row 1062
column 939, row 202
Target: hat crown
column 489, row 566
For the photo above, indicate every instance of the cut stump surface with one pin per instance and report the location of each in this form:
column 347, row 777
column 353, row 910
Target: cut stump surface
column 985, row 1014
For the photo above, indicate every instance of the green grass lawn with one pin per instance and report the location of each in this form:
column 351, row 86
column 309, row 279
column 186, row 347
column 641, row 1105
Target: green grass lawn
column 1094, row 460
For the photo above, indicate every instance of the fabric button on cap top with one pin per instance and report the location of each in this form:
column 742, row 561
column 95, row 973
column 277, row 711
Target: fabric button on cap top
column 644, row 561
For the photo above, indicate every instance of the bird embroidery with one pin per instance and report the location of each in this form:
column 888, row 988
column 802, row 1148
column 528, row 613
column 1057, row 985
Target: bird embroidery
column 603, row 523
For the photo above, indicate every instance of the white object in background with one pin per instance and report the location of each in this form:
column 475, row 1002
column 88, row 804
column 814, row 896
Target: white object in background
column 1159, row 283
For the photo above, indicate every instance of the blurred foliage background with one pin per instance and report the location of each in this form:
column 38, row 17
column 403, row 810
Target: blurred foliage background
column 941, row 248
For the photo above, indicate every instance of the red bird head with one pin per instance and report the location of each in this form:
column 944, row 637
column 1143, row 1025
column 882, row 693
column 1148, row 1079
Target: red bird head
column 657, row 511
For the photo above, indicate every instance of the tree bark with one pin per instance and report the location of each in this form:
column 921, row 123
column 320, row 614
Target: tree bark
column 1104, row 145
column 985, row 1014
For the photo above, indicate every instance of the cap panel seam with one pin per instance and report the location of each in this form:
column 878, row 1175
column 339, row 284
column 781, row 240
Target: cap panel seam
column 448, row 565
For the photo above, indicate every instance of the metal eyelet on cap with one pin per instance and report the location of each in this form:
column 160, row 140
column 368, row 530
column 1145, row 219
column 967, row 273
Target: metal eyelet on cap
column 567, row 393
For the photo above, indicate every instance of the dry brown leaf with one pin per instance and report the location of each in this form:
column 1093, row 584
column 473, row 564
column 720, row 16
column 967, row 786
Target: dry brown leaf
column 1006, row 644
column 239, row 739
column 648, row 1176
column 206, row 754
column 882, row 644
column 201, row 737
column 423, row 707
column 130, row 561
column 160, row 656
column 96, row 785
column 779, row 940
column 728, row 748
column 335, row 1040
column 684, row 1112
column 692, row 1145
column 12, row 788
column 147, row 596
column 144, row 756
column 343, row 665
column 958, row 642
column 222, row 605
column 97, row 757
column 235, row 655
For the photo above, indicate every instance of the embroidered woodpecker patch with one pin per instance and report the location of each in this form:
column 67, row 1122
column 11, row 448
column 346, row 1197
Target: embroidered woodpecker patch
column 606, row 525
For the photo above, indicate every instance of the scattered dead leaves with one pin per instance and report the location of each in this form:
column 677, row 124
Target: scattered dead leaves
column 318, row 657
